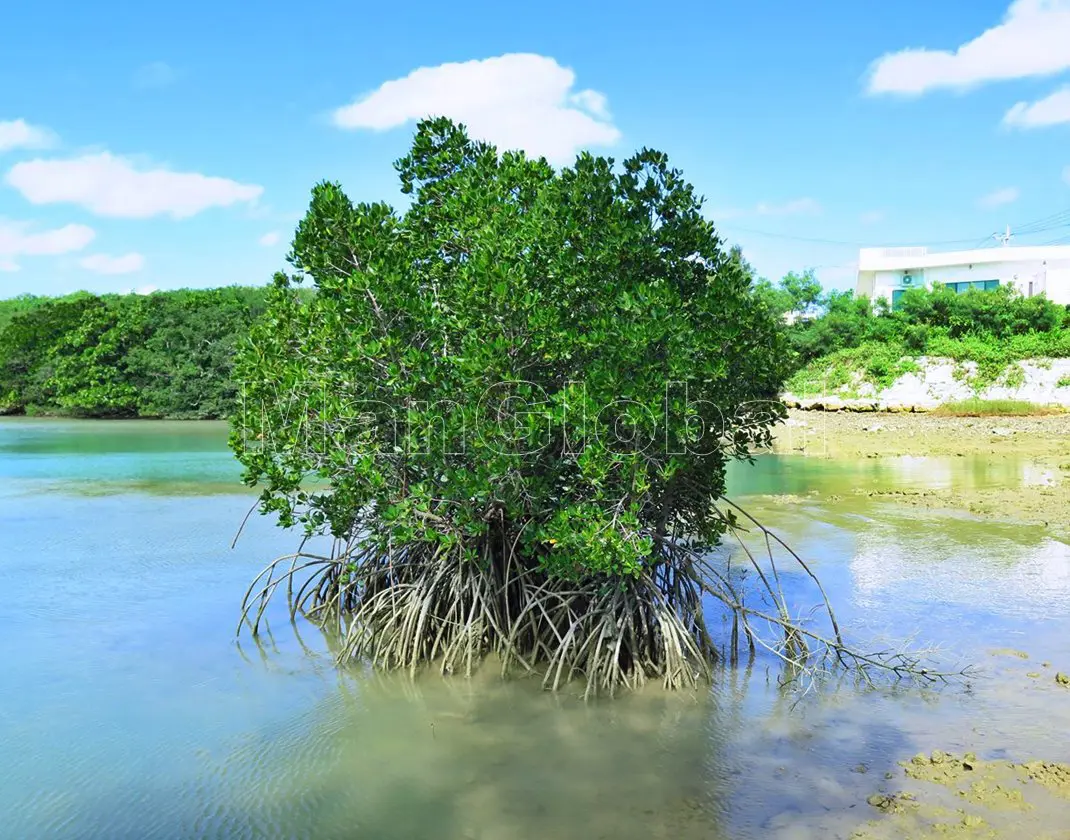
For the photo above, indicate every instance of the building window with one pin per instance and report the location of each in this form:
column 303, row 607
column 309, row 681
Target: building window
column 979, row 285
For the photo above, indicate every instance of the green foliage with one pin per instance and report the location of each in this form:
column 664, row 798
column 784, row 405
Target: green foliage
column 853, row 342
column 563, row 362
column 1064, row 382
column 1014, row 376
column 844, row 371
column 169, row 354
column 995, row 408
column 795, row 293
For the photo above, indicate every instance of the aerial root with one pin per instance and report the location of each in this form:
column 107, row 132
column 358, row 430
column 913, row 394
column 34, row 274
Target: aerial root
column 402, row 609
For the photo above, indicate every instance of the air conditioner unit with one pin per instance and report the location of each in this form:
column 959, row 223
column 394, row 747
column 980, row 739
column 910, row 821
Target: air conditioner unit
column 908, row 280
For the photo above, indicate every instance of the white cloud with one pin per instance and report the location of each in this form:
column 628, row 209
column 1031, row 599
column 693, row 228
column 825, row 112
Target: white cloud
column 872, row 217
column 155, row 74
column 796, row 207
column 107, row 264
column 112, row 186
column 1031, row 41
column 269, row 239
column 515, row 101
column 1052, row 110
column 1007, row 195
column 19, row 134
column 18, row 240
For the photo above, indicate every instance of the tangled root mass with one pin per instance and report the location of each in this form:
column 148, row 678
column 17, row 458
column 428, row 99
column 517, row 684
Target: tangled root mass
column 421, row 606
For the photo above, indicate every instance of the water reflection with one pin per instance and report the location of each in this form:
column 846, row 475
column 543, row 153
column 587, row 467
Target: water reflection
column 796, row 474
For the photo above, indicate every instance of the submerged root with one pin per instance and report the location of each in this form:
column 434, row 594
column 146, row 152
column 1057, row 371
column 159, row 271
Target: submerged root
column 421, row 605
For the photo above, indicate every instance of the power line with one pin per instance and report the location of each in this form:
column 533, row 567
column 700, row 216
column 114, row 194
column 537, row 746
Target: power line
column 854, row 244
column 1055, row 221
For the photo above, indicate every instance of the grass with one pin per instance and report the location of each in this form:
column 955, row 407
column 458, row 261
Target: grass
column 996, row 408
column 1064, row 382
column 842, row 372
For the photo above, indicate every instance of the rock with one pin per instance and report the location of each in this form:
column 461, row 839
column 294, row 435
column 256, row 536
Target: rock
column 878, row 800
column 1021, row 654
column 939, row 757
column 1001, row 431
column 1062, row 679
column 896, row 408
column 833, row 404
column 919, row 759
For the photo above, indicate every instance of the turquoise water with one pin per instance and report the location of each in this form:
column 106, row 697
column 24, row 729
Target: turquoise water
column 128, row 708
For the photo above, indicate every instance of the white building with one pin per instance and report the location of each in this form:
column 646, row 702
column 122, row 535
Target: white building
column 1033, row 270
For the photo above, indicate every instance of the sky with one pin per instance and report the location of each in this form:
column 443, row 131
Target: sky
column 147, row 146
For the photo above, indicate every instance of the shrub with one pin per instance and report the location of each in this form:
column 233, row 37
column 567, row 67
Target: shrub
column 545, row 499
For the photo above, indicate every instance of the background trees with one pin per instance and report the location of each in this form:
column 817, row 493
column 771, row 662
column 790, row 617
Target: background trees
column 169, row 354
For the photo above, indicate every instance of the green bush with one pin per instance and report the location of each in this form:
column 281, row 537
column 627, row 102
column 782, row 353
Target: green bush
column 572, row 362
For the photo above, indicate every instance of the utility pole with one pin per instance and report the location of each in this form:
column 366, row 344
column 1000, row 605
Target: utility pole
column 1004, row 238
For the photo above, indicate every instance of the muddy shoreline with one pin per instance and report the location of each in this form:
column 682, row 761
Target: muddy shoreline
column 1041, row 443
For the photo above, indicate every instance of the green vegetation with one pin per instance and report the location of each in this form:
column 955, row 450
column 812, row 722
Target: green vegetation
column 852, row 343
column 479, row 387
column 847, row 371
column 1064, row 382
column 169, row 354
column 995, row 408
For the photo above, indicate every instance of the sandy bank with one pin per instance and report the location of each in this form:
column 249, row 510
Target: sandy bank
column 1040, row 496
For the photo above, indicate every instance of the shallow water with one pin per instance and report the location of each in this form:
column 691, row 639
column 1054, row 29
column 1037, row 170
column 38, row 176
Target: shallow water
column 127, row 709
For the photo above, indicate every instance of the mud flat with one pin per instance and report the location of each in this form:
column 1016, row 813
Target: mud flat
column 942, row 795
column 1038, row 447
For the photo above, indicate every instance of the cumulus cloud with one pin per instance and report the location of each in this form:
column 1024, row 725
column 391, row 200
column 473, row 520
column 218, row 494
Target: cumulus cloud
column 998, row 198
column 107, row 264
column 113, row 186
column 19, row 134
column 269, row 239
column 1031, row 41
column 17, row 239
column 1052, row 110
column 515, row 101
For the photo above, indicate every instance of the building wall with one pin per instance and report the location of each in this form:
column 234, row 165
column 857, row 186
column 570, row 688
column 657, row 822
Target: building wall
column 1052, row 279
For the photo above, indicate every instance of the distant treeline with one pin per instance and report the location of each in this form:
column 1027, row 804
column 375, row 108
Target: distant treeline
column 168, row 354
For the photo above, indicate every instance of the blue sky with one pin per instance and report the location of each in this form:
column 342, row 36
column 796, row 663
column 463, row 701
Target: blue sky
column 146, row 145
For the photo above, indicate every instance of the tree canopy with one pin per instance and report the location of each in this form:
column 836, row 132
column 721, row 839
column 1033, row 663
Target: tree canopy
column 169, row 354
column 568, row 357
